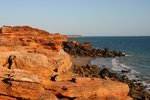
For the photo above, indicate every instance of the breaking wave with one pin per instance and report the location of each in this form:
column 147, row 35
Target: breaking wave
column 116, row 66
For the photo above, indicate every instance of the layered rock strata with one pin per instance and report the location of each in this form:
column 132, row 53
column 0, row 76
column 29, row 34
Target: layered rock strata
column 34, row 66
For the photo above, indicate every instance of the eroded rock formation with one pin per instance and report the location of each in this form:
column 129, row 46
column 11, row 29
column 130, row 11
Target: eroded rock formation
column 34, row 66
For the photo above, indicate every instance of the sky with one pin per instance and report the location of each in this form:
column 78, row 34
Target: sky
column 80, row 17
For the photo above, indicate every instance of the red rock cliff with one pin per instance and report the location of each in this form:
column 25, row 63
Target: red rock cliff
column 34, row 66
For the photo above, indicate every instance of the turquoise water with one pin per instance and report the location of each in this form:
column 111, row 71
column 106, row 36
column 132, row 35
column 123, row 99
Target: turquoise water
column 138, row 49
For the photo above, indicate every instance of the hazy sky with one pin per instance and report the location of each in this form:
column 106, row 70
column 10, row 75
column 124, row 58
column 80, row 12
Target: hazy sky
column 85, row 17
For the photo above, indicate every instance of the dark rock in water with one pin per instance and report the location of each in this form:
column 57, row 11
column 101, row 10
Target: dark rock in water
column 104, row 73
column 137, row 90
column 85, row 49
column 106, row 50
column 120, row 54
column 115, row 52
column 125, row 71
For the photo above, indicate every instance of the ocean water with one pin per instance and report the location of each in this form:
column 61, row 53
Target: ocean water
column 137, row 49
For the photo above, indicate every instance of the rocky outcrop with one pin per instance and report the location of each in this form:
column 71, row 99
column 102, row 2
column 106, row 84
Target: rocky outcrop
column 20, row 84
column 85, row 49
column 33, row 50
column 34, row 66
column 28, row 36
column 89, row 89
column 36, row 63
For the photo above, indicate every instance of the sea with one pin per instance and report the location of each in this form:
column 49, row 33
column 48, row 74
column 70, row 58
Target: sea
column 136, row 63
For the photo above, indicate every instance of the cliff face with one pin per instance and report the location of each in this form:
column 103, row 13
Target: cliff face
column 31, row 38
column 33, row 65
column 32, row 49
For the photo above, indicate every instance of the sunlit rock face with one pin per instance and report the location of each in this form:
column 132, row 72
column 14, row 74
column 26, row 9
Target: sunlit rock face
column 34, row 66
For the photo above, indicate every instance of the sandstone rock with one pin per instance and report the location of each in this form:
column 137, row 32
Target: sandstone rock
column 85, row 88
column 30, row 57
column 64, row 63
column 23, row 35
column 22, row 84
column 35, row 63
column 64, row 76
column 7, row 98
column 18, row 75
column 19, row 83
column 25, row 85
column 6, row 29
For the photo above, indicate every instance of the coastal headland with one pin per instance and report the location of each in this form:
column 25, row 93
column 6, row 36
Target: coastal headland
column 38, row 65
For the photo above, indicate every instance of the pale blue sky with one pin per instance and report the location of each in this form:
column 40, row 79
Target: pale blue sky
column 85, row 17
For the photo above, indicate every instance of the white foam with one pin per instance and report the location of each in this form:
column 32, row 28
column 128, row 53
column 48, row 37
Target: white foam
column 115, row 66
column 118, row 67
column 131, row 75
column 124, row 66
column 127, row 55
column 148, row 88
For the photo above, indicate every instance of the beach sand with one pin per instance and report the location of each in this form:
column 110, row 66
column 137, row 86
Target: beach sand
column 81, row 61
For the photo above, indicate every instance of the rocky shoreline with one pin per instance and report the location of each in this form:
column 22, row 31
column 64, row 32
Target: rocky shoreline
column 137, row 90
column 37, row 65
column 86, row 49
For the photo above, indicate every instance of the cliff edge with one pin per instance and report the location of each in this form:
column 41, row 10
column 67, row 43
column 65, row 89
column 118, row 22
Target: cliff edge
column 34, row 66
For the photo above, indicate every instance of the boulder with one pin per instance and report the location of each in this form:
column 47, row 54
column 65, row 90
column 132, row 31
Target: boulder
column 21, row 84
column 87, row 88
column 26, row 61
column 104, row 73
